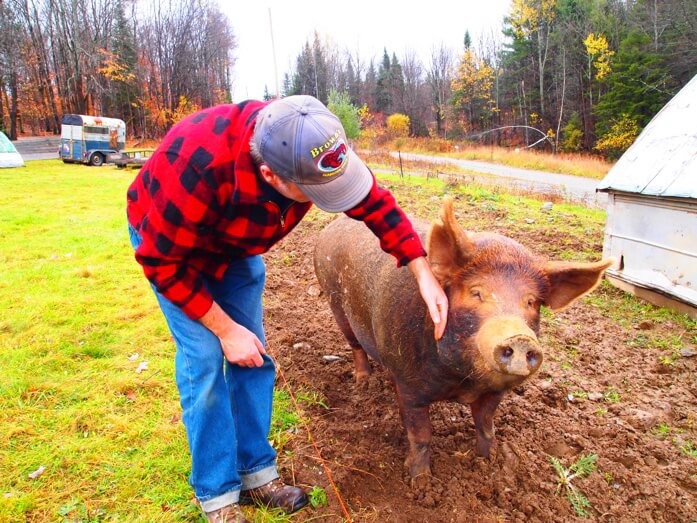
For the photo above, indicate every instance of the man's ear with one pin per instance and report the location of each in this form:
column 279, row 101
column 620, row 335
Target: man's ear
column 267, row 174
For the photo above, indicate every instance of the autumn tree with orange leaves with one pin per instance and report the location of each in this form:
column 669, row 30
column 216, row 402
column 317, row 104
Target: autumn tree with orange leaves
column 148, row 63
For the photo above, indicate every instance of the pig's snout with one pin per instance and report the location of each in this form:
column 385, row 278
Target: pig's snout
column 519, row 355
column 509, row 346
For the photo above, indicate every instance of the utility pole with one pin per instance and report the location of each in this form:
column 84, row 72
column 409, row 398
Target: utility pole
column 273, row 51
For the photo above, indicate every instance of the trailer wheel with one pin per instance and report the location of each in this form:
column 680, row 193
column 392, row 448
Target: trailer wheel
column 96, row 159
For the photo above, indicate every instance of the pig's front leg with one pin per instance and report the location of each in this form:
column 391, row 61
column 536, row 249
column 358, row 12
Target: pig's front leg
column 417, row 423
column 360, row 363
column 483, row 409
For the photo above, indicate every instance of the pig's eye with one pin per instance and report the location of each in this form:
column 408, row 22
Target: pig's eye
column 477, row 293
column 531, row 302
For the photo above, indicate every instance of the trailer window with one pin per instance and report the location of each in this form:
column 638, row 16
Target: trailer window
column 96, row 130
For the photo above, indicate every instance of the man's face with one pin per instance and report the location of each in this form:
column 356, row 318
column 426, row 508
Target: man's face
column 291, row 190
column 285, row 187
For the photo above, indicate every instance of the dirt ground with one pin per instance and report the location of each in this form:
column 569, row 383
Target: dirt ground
column 596, row 393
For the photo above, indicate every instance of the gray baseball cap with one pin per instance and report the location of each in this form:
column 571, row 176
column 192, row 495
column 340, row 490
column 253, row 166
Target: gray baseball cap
column 302, row 141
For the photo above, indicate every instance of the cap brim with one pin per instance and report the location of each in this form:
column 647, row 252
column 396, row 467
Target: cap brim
column 343, row 192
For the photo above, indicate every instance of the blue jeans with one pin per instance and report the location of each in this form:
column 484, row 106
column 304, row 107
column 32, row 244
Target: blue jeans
column 226, row 408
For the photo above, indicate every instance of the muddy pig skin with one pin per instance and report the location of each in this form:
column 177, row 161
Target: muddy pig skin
column 495, row 288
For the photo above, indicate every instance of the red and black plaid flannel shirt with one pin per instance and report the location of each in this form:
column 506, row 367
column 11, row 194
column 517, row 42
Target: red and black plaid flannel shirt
column 199, row 202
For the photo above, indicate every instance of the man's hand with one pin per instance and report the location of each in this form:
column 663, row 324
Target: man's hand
column 432, row 294
column 240, row 345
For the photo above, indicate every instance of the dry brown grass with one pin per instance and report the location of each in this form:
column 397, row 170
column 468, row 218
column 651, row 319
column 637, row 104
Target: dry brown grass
column 576, row 164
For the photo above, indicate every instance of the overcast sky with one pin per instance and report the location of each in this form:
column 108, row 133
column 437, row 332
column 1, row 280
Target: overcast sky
column 363, row 27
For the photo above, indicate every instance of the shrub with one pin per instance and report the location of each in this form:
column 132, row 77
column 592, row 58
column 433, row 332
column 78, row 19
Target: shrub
column 398, row 125
column 620, row 136
column 340, row 104
column 572, row 135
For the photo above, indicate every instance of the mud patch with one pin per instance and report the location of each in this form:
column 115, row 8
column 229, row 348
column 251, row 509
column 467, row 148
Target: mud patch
column 598, row 393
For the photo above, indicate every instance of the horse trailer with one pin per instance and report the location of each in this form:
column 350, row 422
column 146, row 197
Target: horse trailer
column 91, row 139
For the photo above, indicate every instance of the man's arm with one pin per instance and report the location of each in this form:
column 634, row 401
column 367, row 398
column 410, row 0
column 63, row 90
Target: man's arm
column 240, row 345
column 380, row 212
column 432, row 294
column 170, row 232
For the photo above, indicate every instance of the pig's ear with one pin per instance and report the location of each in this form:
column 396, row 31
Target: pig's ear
column 569, row 281
column 448, row 245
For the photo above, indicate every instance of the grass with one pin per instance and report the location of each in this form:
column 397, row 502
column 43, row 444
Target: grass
column 74, row 307
column 566, row 163
column 574, row 164
column 625, row 310
column 518, row 214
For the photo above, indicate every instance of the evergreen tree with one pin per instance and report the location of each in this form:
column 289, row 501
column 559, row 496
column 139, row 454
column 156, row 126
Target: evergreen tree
column 267, row 95
column 287, row 87
column 353, row 82
column 396, row 78
column 638, row 86
column 370, row 86
column 122, row 67
column 303, row 79
column 383, row 90
column 319, row 62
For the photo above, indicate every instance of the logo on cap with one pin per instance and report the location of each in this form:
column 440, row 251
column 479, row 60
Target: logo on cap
column 331, row 156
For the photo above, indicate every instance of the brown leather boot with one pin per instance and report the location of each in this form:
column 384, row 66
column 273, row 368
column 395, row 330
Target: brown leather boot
column 227, row 514
column 276, row 494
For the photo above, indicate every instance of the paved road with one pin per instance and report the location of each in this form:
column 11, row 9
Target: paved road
column 38, row 147
column 574, row 188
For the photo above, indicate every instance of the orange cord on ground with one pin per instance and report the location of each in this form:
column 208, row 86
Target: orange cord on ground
column 319, row 455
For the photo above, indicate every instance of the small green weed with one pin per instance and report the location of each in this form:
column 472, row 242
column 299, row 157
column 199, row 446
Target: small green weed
column 582, row 467
column 580, row 394
column 312, row 398
column 640, row 340
column 662, row 430
column 689, row 448
column 285, row 419
column 267, row 515
column 318, row 497
column 669, row 359
column 612, row 395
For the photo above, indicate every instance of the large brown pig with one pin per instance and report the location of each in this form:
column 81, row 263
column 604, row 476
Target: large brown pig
column 495, row 288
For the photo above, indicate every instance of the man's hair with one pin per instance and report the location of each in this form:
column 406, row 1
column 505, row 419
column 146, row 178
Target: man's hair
column 254, row 151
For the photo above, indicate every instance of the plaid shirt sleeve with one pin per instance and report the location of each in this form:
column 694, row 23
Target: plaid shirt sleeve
column 380, row 212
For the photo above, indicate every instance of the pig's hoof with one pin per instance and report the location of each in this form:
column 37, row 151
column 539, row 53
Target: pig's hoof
column 417, row 469
column 484, row 448
column 421, row 481
column 361, row 377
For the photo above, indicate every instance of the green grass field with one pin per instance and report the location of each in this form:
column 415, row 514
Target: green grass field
column 77, row 319
column 74, row 311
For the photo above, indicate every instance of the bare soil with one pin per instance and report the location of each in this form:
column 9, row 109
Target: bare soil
column 602, row 390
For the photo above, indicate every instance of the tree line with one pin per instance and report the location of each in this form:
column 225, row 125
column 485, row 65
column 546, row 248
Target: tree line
column 147, row 63
column 573, row 75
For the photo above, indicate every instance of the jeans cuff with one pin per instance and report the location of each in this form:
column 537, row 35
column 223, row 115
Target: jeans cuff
column 259, row 477
column 220, row 501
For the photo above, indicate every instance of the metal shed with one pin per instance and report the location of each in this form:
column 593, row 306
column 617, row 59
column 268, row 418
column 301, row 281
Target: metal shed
column 651, row 223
